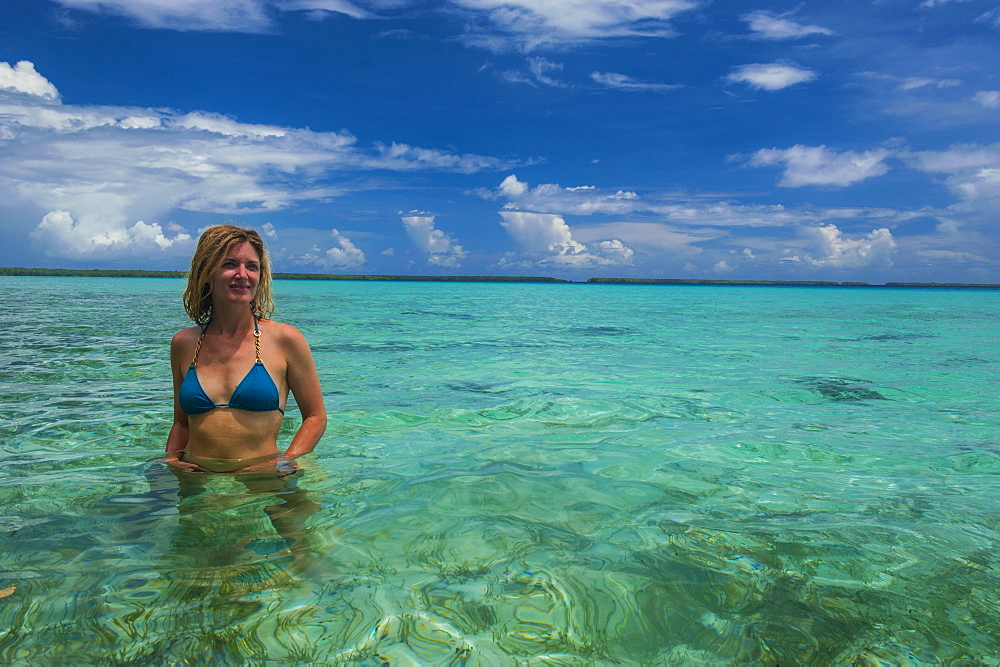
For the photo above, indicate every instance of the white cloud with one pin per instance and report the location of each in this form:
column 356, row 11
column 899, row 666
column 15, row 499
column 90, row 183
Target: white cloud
column 989, row 99
column 957, row 159
column 60, row 235
column 625, row 82
column 827, row 246
column 818, row 165
column 344, row 254
column 773, row 76
column 538, row 72
column 992, row 16
column 934, row 3
column 318, row 7
column 950, row 256
column 703, row 213
column 499, row 25
column 540, row 67
column 441, row 248
column 225, row 126
column 972, row 171
column 579, row 200
column 107, row 167
column 403, row 157
column 527, row 24
column 513, row 188
column 249, row 16
column 23, row 78
column 650, row 235
column 547, row 236
column 615, row 251
column 915, row 82
column 768, row 25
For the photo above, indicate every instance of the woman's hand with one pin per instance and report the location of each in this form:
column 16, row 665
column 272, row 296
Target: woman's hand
column 282, row 465
column 179, row 464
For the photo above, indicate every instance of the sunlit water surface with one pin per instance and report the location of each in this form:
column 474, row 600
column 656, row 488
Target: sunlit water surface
column 518, row 474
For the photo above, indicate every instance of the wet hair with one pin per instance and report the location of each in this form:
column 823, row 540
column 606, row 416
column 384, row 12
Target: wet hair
column 213, row 246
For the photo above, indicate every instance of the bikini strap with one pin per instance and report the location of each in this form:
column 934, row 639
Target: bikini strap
column 201, row 339
column 256, row 338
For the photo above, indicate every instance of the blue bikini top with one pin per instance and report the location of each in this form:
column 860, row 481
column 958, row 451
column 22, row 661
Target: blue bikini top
column 256, row 392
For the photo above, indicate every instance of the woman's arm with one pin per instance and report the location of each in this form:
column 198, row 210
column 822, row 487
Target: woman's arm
column 303, row 381
column 178, row 438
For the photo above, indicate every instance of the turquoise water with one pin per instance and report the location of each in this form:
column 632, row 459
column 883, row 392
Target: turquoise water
column 518, row 474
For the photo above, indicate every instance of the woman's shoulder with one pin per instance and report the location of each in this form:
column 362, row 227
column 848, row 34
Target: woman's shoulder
column 281, row 332
column 188, row 332
column 186, row 335
column 183, row 343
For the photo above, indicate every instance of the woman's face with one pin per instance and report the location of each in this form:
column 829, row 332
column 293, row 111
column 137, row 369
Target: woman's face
column 236, row 279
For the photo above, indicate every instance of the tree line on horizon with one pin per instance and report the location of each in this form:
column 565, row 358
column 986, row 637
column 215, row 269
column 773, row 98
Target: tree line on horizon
column 140, row 273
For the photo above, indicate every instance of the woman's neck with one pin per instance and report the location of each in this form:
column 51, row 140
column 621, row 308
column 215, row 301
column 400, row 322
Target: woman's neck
column 232, row 319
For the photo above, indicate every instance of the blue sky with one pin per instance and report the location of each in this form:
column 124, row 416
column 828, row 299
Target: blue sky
column 799, row 140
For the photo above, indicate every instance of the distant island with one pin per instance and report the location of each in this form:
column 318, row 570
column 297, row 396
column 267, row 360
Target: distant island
column 787, row 283
column 139, row 273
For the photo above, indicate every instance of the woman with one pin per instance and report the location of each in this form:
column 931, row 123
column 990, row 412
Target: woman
column 232, row 373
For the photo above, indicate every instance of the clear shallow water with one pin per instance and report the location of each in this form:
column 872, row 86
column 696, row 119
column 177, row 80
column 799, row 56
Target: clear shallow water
column 541, row 474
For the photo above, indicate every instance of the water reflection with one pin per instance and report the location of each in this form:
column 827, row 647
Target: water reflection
column 240, row 531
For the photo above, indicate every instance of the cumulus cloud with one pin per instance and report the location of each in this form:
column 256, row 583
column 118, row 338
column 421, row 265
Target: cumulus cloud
column 22, row 78
column 107, row 167
column 767, row 25
column 818, row 165
column 343, row 254
column 441, row 248
column 698, row 230
column 773, row 76
column 625, row 82
column 547, row 236
column 827, row 246
column 303, row 248
column 60, row 235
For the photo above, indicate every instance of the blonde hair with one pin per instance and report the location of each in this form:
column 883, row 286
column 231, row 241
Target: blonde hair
column 213, row 245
